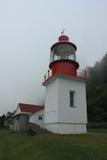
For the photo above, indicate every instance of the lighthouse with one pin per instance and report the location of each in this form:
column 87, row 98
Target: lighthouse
column 65, row 94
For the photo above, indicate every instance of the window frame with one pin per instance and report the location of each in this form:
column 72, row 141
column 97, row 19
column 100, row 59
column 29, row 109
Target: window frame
column 72, row 98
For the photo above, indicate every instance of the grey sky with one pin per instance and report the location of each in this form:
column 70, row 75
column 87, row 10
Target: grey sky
column 28, row 28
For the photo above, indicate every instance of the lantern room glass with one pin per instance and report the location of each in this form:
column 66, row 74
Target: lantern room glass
column 63, row 51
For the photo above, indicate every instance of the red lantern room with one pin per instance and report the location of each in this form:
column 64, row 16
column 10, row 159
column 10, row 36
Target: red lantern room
column 63, row 59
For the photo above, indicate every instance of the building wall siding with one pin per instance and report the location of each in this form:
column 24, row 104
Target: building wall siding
column 20, row 122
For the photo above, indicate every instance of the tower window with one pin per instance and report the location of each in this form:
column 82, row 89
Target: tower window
column 72, row 98
column 40, row 117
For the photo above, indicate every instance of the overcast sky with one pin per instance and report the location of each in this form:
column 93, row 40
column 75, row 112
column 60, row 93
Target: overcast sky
column 28, row 28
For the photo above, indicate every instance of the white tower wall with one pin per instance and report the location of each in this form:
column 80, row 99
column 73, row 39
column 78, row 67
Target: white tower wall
column 59, row 116
column 51, row 106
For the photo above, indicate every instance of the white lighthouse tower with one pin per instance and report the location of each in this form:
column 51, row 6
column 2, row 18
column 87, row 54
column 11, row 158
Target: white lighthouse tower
column 65, row 101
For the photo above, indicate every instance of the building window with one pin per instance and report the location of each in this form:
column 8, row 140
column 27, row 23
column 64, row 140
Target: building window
column 72, row 98
column 40, row 117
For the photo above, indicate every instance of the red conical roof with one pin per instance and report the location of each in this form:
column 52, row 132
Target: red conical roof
column 63, row 38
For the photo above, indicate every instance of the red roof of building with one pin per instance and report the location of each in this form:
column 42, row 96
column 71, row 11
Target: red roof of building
column 30, row 107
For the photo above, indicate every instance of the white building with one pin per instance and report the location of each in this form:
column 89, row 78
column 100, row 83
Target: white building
column 65, row 101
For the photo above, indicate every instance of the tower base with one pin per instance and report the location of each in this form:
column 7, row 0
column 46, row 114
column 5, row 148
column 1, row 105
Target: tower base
column 66, row 128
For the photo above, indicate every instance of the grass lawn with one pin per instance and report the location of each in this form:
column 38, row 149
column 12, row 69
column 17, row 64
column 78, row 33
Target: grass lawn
column 21, row 146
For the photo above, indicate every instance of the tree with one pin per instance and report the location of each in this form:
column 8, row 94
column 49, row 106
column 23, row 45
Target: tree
column 2, row 119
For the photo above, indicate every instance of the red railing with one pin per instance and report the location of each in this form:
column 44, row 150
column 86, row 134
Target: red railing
column 81, row 74
column 47, row 75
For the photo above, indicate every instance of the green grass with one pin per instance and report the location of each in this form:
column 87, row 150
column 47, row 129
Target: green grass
column 21, row 146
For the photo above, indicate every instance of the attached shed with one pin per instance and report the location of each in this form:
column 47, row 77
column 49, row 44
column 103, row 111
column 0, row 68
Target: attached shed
column 23, row 114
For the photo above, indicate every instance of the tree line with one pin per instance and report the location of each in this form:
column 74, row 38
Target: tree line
column 97, row 91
